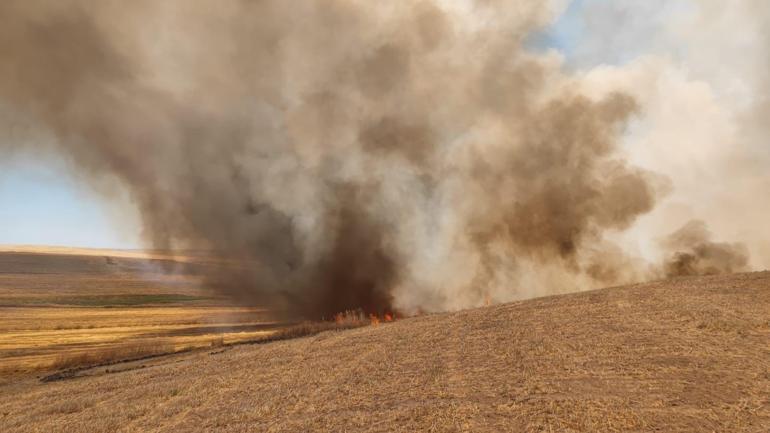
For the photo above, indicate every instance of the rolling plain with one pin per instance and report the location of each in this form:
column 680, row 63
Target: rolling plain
column 687, row 354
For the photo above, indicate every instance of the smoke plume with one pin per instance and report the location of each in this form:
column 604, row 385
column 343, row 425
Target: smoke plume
column 700, row 70
column 694, row 253
column 410, row 155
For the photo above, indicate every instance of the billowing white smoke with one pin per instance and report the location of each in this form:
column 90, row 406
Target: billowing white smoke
column 701, row 72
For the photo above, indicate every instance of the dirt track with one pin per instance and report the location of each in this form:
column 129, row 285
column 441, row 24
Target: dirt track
column 682, row 355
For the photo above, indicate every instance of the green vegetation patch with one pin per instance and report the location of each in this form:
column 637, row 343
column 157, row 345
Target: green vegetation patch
column 106, row 300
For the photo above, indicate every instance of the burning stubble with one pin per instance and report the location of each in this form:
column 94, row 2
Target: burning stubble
column 338, row 154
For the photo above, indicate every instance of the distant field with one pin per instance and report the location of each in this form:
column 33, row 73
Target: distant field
column 103, row 300
column 26, row 275
column 59, row 307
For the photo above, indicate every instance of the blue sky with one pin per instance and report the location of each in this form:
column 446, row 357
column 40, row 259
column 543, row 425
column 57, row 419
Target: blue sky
column 565, row 32
column 42, row 204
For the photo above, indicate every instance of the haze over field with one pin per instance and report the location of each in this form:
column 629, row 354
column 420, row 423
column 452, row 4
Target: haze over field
column 418, row 156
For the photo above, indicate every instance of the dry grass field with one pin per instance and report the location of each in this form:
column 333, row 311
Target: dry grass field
column 63, row 308
column 689, row 354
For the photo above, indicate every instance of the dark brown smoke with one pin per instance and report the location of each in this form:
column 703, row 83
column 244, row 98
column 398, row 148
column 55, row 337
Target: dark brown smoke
column 692, row 252
column 336, row 154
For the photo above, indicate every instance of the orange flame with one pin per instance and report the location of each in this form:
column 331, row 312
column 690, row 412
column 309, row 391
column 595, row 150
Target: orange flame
column 358, row 317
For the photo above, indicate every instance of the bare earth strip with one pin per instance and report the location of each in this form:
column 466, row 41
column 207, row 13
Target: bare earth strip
column 680, row 355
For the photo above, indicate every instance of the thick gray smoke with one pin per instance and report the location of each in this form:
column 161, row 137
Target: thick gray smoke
column 694, row 253
column 338, row 154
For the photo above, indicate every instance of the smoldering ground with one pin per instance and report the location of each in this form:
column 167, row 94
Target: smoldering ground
column 395, row 155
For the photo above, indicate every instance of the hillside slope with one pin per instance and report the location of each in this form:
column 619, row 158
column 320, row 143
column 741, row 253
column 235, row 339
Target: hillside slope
column 681, row 355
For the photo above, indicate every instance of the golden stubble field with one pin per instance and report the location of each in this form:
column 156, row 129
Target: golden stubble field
column 62, row 308
column 685, row 355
